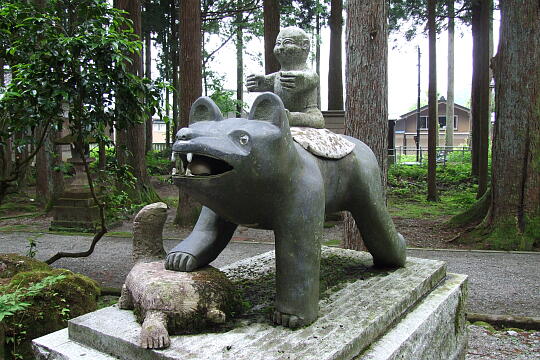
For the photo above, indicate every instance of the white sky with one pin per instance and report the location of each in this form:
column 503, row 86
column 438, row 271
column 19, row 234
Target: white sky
column 402, row 66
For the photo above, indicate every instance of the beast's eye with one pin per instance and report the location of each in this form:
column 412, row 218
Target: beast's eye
column 243, row 139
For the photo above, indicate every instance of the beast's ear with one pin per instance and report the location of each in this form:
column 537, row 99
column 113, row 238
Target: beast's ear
column 204, row 109
column 269, row 107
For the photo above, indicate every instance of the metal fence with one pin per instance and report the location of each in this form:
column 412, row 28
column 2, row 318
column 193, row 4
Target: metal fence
column 159, row 146
column 410, row 155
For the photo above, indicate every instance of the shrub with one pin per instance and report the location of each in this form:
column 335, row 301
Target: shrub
column 38, row 300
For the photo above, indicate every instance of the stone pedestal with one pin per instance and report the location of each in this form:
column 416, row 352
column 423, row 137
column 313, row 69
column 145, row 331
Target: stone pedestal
column 416, row 312
column 76, row 209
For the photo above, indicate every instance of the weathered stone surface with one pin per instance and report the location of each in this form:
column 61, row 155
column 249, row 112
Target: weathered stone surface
column 177, row 303
column 148, row 232
column 322, row 142
column 435, row 329
column 360, row 315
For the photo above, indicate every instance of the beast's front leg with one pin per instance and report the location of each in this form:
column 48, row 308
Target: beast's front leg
column 298, row 257
column 207, row 240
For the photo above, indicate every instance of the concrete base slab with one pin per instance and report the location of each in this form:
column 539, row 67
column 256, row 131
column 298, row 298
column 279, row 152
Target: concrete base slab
column 388, row 313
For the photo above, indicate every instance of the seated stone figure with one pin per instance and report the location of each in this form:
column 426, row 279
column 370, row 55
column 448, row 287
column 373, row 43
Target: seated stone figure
column 295, row 83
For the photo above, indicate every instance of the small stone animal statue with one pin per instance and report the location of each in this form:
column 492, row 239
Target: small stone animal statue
column 296, row 84
column 251, row 172
column 169, row 302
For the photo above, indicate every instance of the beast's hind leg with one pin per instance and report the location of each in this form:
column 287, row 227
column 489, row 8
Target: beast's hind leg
column 368, row 208
column 207, row 240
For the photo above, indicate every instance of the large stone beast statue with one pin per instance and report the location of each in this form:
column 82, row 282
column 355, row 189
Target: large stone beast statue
column 251, row 172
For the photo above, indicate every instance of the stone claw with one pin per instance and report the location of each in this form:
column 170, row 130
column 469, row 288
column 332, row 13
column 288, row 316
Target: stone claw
column 154, row 334
column 180, row 262
column 287, row 320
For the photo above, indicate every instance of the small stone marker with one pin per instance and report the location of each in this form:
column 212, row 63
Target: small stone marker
column 148, row 232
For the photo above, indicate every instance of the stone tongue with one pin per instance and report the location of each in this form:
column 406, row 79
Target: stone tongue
column 198, row 167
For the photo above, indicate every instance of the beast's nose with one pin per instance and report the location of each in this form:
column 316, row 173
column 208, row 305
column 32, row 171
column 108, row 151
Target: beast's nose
column 185, row 134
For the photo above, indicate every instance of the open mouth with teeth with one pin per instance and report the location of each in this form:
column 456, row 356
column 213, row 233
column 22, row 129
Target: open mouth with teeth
column 191, row 164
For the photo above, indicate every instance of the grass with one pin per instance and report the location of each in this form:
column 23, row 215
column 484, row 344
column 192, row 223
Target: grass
column 415, row 205
column 407, row 192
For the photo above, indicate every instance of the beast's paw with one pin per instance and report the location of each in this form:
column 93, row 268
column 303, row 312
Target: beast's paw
column 154, row 334
column 287, row 320
column 179, row 261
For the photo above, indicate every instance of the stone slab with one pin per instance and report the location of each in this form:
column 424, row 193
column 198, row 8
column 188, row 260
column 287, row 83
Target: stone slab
column 427, row 332
column 350, row 320
column 435, row 329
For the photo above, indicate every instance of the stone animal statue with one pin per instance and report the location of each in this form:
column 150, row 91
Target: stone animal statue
column 251, row 172
column 169, row 302
column 296, row 84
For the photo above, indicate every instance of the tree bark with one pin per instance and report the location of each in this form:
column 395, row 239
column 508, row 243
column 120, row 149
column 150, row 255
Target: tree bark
column 335, row 71
column 271, row 30
column 175, row 56
column 366, row 116
column 432, row 105
column 481, row 13
column 450, row 90
column 481, row 10
column 516, row 147
column 135, row 135
column 239, row 61
column 148, row 74
column 190, row 82
column 49, row 183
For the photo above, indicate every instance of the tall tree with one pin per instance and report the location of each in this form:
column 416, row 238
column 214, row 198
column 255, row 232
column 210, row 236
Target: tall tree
column 190, row 81
column 481, row 14
column 49, row 183
column 515, row 202
column 135, row 135
column 271, row 30
column 239, row 59
column 366, row 115
column 335, row 78
column 148, row 74
column 432, row 103
column 450, row 89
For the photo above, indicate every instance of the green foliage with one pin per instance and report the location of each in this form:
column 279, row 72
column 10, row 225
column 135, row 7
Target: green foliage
column 36, row 303
column 11, row 303
column 408, row 186
column 159, row 162
column 69, row 60
column 410, row 16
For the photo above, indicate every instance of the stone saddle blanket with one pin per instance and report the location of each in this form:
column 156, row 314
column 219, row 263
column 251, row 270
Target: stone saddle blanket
column 322, row 142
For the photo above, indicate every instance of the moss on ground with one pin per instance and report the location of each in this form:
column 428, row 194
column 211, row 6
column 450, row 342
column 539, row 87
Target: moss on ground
column 11, row 264
column 258, row 294
column 69, row 295
column 505, row 236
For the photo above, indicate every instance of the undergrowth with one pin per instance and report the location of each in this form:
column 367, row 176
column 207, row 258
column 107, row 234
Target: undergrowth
column 407, row 190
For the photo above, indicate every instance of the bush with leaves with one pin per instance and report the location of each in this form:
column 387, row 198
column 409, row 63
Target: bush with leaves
column 68, row 59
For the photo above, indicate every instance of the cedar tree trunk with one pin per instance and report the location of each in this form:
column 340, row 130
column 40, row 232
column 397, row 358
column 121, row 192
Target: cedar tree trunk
column 335, row 77
column 515, row 202
column 432, row 105
column 135, row 135
column 366, row 116
column 148, row 74
column 481, row 13
column 271, row 30
column 190, row 83
column 449, row 140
